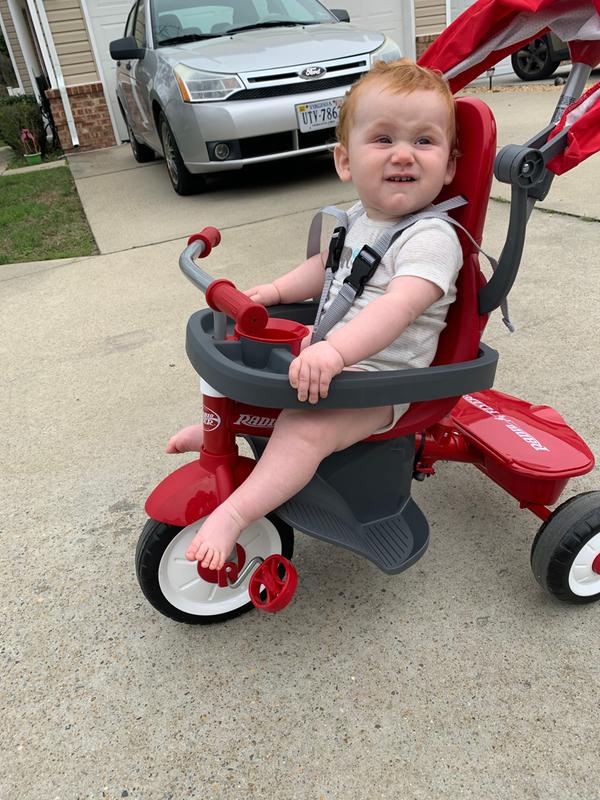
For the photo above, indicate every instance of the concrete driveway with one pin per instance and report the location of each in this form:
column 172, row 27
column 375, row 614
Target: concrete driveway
column 456, row 679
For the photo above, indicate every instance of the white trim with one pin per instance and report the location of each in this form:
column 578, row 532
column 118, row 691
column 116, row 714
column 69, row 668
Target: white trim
column 11, row 53
column 38, row 14
column 448, row 12
column 41, row 42
column 99, row 69
column 24, row 38
column 409, row 46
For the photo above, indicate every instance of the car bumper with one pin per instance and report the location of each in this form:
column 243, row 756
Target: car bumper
column 259, row 130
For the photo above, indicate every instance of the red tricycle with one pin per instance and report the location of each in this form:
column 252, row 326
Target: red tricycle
column 360, row 498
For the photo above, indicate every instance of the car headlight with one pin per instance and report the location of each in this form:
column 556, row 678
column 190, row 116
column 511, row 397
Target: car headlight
column 388, row 51
column 198, row 87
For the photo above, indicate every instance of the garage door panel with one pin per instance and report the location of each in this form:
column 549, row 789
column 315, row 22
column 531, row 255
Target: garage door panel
column 108, row 19
column 377, row 15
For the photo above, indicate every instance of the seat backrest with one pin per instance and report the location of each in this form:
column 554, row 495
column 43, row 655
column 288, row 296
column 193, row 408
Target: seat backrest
column 244, row 13
column 460, row 338
column 169, row 26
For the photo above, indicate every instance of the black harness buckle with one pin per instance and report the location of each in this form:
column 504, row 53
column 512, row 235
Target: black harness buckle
column 336, row 245
column 363, row 267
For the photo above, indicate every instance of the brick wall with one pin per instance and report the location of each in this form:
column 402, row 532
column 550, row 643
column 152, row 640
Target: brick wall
column 423, row 42
column 90, row 113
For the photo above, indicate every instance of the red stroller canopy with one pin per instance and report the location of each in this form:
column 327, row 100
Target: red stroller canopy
column 490, row 30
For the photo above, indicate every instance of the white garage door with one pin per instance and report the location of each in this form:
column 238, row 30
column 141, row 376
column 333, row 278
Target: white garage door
column 392, row 17
column 107, row 20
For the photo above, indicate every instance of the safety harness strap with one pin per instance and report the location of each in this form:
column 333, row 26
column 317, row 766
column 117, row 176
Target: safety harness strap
column 368, row 259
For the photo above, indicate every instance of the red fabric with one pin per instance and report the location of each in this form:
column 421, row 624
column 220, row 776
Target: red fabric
column 583, row 138
column 480, row 22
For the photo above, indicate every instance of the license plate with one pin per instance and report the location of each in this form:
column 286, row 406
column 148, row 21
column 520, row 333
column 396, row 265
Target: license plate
column 320, row 114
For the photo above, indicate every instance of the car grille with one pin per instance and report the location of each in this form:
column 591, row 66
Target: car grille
column 256, row 146
column 360, row 65
column 295, row 88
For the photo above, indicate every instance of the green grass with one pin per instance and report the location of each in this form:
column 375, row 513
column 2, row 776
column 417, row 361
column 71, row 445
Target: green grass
column 41, row 217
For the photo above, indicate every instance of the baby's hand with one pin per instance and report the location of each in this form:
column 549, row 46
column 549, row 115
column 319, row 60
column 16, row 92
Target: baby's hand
column 312, row 371
column 265, row 293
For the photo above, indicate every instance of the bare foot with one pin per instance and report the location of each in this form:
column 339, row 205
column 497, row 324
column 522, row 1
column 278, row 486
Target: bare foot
column 214, row 540
column 186, row 440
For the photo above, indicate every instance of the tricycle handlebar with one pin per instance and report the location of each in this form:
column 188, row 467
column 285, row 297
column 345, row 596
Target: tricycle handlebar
column 221, row 295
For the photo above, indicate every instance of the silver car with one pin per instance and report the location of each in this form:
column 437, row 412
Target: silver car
column 220, row 84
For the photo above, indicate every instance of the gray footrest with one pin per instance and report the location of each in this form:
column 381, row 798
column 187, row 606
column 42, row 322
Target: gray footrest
column 393, row 544
column 359, row 499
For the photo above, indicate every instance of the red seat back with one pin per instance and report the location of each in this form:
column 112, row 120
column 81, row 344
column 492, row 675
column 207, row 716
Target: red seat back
column 459, row 341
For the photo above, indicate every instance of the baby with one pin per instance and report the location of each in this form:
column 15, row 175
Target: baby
column 397, row 145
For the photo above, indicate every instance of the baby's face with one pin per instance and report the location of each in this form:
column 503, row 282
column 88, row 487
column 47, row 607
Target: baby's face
column 398, row 153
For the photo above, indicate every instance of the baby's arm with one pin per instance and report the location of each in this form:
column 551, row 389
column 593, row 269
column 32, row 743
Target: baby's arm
column 372, row 330
column 384, row 319
column 301, row 283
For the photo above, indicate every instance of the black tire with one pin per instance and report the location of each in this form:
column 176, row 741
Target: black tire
column 181, row 178
column 152, row 546
column 534, row 62
column 561, row 541
column 141, row 152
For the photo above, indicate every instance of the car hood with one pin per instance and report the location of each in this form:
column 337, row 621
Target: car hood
column 274, row 48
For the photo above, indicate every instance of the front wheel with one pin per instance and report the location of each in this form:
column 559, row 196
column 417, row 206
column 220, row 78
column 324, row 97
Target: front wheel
column 182, row 590
column 565, row 555
column 182, row 179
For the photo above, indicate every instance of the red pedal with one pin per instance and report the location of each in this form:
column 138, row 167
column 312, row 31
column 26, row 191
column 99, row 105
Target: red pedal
column 278, row 590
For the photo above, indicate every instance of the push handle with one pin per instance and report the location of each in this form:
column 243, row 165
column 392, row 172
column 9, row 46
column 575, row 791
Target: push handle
column 250, row 317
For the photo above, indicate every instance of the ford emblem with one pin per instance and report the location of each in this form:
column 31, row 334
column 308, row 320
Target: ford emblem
column 312, row 72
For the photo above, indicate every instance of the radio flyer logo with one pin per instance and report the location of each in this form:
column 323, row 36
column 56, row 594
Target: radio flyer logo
column 211, row 420
column 251, row 421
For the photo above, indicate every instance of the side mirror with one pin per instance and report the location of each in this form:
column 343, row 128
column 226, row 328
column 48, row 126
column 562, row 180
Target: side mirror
column 125, row 49
column 341, row 14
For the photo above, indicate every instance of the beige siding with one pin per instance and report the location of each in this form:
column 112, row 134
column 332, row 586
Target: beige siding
column 15, row 46
column 72, row 42
column 430, row 16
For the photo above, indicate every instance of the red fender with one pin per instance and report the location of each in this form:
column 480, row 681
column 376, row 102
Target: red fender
column 196, row 489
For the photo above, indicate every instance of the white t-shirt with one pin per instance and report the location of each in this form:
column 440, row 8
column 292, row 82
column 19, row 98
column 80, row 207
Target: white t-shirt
column 428, row 249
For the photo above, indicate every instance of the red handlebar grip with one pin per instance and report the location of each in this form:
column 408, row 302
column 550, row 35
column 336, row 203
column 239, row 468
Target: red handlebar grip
column 249, row 316
column 211, row 238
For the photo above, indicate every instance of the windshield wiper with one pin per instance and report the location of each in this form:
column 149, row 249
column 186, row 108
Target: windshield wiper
column 270, row 24
column 189, row 37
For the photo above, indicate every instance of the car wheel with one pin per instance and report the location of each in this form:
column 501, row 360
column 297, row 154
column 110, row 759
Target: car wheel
column 181, row 178
column 141, row 152
column 534, row 61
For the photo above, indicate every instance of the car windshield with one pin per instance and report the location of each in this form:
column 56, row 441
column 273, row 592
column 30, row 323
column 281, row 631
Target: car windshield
column 191, row 20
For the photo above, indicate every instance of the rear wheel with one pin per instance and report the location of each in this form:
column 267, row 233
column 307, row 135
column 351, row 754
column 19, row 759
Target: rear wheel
column 141, row 152
column 182, row 590
column 182, row 179
column 565, row 555
column 534, row 61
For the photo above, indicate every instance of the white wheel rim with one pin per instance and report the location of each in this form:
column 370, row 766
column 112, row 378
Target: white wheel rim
column 583, row 580
column 182, row 586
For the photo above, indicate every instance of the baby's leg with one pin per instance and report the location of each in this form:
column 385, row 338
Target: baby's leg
column 300, row 441
column 186, row 440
